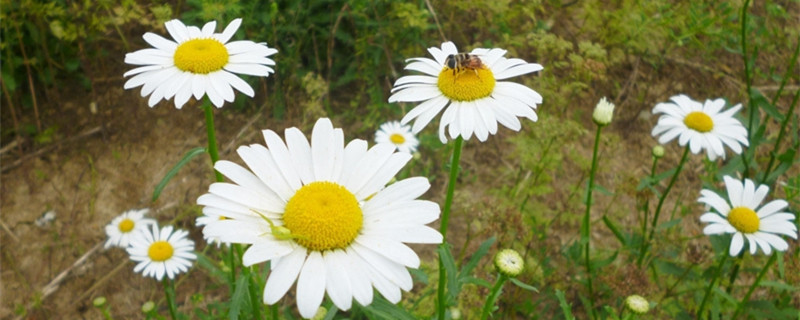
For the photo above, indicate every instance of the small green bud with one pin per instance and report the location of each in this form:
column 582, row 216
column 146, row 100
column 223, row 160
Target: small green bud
column 637, row 304
column 148, row 307
column 321, row 312
column 455, row 313
column 99, row 302
column 509, row 262
column 658, row 151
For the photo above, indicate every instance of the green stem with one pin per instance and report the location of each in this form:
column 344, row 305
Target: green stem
column 212, row 137
column 169, row 291
column 587, row 220
column 748, row 82
column 781, row 134
column 487, row 308
column 702, row 308
column 735, row 273
column 255, row 301
column 661, row 199
column 448, row 201
column 755, row 284
column 274, row 309
column 232, row 273
column 646, row 206
column 106, row 313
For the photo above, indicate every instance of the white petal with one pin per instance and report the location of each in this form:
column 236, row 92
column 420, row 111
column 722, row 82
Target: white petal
column 283, row 275
column 311, row 285
column 266, row 250
column 394, row 250
column 338, row 281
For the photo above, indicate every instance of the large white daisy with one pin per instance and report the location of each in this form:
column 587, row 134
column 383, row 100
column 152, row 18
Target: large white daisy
column 701, row 125
column 160, row 252
column 744, row 216
column 397, row 134
column 199, row 62
column 322, row 214
column 473, row 99
column 121, row 228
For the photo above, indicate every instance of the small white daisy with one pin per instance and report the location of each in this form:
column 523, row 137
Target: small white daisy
column 467, row 88
column 121, row 228
column 322, row 213
column 210, row 216
column 199, row 62
column 397, row 134
column 744, row 216
column 160, row 252
column 702, row 126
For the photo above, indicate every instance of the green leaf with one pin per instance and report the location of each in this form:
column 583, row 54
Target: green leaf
column 331, row 312
column 615, row 230
column 204, row 262
column 565, row 307
column 778, row 285
column 668, row 224
column 186, row 158
column 597, row 264
column 476, row 281
column 449, row 267
column 239, row 298
column 382, row 309
column 524, row 285
column 476, row 257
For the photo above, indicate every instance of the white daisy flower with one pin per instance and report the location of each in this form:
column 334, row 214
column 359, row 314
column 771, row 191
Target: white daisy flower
column 702, row 126
column 199, row 62
column 397, row 134
column 210, row 216
column 322, row 214
column 160, row 252
column 744, row 216
column 466, row 87
column 121, row 228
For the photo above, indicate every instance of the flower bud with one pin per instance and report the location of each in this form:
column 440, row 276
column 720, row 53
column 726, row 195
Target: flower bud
column 148, row 307
column 658, row 151
column 99, row 302
column 603, row 112
column 508, row 262
column 637, row 304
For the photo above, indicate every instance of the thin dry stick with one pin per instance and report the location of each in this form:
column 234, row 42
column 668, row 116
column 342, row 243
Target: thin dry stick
column 13, row 111
column 332, row 42
column 56, row 282
column 8, row 230
column 435, row 19
column 50, row 147
column 26, row 62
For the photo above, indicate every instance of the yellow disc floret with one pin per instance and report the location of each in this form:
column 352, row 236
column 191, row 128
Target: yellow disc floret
column 126, row 225
column 744, row 219
column 466, row 84
column 699, row 121
column 323, row 216
column 160, row 251
column 201, row 56
column 397, row 138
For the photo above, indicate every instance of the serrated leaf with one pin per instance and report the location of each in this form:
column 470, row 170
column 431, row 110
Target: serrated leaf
column 476, row 257
column 450, row 268
column 239, row 298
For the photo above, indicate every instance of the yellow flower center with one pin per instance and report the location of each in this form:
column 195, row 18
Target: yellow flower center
column 160, row 251
column 201, row 56
column 744, row 219
column 126, row 225
column 699, row 121
column 323, row 216
column 397, row 138
column 466, row 84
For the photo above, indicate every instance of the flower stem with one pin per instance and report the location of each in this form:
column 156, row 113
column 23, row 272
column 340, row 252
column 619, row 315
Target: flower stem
column 751, row 106
column 255, row 302
column 274, row 309
column 661, row 199
column 755, row 284
column 448, row 201
column 702, row 308
column 169, row 291
column 496, row 289
column 586, row 226
column 212, row 136
column 646, row 205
